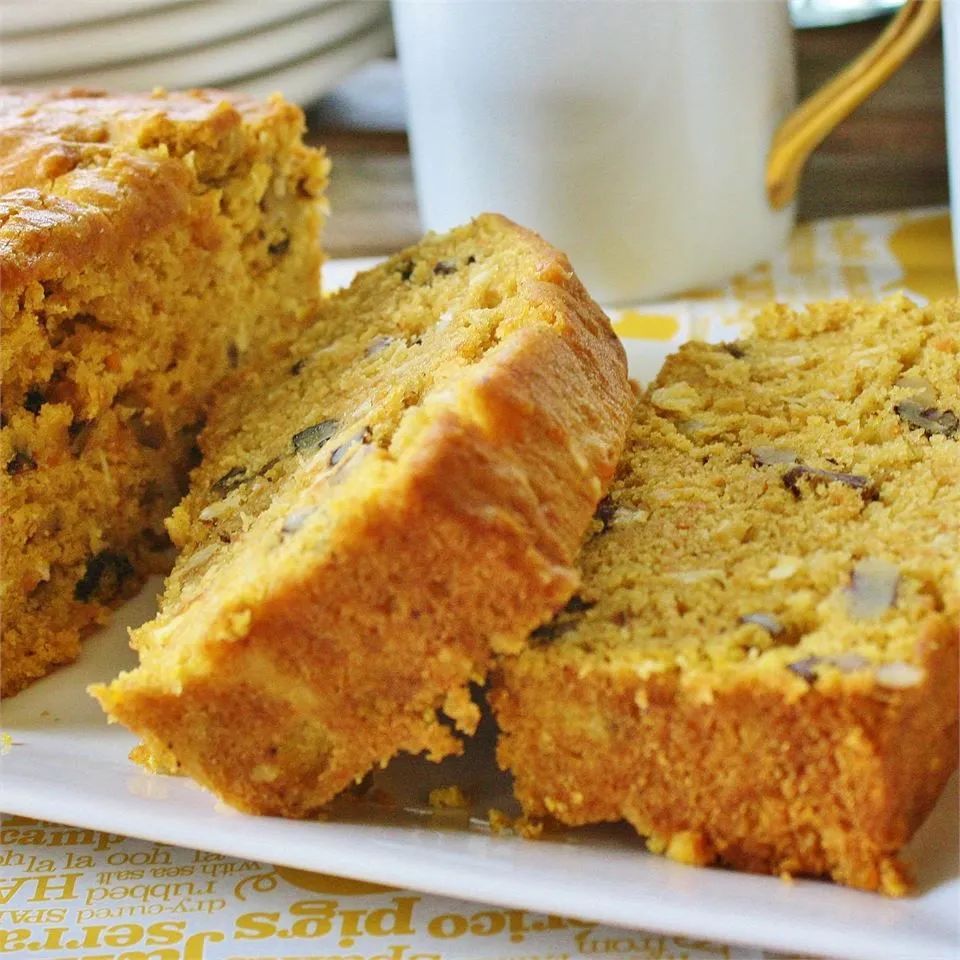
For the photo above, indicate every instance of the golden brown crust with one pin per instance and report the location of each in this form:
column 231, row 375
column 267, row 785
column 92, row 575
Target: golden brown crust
column 464, row 548
column 85, row 174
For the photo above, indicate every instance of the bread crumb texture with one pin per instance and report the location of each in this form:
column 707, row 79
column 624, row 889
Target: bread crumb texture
column 148, row 246
column 760, row 665
column 399, row 495
column 448, row 798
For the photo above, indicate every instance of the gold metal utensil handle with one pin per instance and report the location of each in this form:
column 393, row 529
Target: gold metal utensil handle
column 803, row 131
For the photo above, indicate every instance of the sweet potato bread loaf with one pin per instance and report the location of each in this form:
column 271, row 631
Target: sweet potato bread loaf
column 760, row 666
column 376, row 515
column 148, row 245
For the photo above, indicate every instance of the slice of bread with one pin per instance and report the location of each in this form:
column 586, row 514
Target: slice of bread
column 376, row 515
column 149, row 244
column 760, row 666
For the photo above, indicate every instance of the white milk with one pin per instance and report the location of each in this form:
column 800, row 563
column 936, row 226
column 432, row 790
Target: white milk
column 631, row 134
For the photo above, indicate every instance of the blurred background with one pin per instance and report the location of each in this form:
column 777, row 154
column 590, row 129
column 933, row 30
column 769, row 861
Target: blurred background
column 336, row 58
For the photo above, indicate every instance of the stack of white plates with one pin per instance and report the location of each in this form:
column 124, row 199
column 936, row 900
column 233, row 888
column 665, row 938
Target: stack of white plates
column 299, row 47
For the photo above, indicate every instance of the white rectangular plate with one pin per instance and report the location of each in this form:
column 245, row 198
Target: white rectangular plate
column 68, row 766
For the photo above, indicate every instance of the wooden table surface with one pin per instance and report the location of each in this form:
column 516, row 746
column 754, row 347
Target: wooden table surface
column 889, row 154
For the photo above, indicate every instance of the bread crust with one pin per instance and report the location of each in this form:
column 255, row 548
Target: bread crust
column 466, row 549
column 81, row 180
